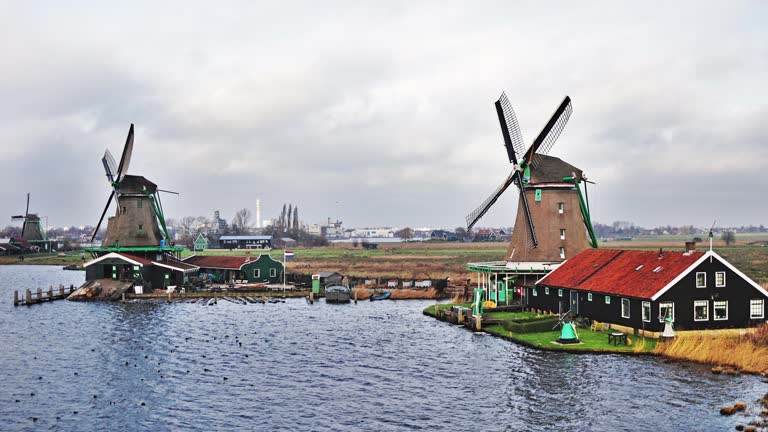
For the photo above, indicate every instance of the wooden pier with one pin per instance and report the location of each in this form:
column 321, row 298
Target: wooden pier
column 29, row 297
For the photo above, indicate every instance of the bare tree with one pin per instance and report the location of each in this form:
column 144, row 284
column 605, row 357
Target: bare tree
column 241, row 223
column 405, row 233
column 282, row 223
column 728, row 237
column 296, row 219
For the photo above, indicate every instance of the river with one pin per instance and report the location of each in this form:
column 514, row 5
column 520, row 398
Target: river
column 374, row 366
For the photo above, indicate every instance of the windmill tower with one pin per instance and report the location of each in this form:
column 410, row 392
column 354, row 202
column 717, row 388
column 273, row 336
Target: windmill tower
column 139, row 221
column 552, row 222
column 32, row 230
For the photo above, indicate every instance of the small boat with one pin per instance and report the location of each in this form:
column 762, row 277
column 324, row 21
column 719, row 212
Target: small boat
column 275, row 300
column 337, row 293
column 382, row 296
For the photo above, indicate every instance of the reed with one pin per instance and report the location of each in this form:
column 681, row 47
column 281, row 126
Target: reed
column 405, row 294
column 746, row 352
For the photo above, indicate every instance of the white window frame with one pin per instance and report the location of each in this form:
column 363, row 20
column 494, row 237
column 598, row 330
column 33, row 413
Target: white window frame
column 535, row 292
column 717, row 285
column 559, row 292
column 562, row 233
column 589, row 296
column 646, row 318
column 560, row 208
column 607, row 299
column 697, row 279
column 714, row 310
column 762, row 308
column 628, row 308
column 546, row 290
column 256, row 273
column 697, row 303
column 671, row 305
column 273, row 272
column 562, row 253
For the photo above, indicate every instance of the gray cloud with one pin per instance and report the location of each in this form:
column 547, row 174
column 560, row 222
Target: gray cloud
column 383, row 114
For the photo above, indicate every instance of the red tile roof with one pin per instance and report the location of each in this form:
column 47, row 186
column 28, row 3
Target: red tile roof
column 217, row 261
column 136, row 258
column 616, row 272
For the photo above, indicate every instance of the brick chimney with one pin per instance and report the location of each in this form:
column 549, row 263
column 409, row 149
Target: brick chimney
column 690, row 246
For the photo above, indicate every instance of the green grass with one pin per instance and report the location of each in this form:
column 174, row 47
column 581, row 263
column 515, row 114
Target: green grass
column 590, row 341
column 513, row 316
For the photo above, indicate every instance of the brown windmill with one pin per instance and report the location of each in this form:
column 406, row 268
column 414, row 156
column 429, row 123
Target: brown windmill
column 552, row 222
column 139, row 221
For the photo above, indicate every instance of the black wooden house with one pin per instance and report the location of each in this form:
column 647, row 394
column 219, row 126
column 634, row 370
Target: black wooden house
column 638, row 289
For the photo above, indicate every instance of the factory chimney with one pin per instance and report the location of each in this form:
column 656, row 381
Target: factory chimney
column 258, row 213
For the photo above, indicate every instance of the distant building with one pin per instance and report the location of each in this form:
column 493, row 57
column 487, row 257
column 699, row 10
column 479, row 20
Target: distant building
column 443, row 235
column 245, row 242
column 201, row 242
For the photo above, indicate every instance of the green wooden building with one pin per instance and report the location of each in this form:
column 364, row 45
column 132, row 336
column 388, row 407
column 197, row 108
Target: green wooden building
column 262, row 269
column 201, row 242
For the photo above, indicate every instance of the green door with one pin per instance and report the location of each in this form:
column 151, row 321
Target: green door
column 501, row 287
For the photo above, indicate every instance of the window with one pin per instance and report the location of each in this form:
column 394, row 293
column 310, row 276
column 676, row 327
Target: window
column 562, row 234
column 755, row 309
column 538, row 194
column 607, row 299
column 646, row 311
column 666, row 310
column 546, row 290
column 272, row 272
column 256, row 273
column 700, row 310
column 123, row 210
column 638, row 267
column 701, row 280
column 560, row 208
column 535, row 292
column 720, row 279
column 625, row 308
column 562, row 253
column 720, row 310
column 559, row 293
column 141, row 228
column 657, row 269
column 140, row 203
column 589, row 296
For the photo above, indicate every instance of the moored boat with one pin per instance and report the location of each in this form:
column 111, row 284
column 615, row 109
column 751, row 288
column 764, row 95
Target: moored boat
column 382, row 296
column 337, row 293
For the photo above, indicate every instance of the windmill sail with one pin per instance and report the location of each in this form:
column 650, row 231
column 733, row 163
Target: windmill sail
column 473, row 217
column 125, row 160
column 549, row 134
column 510, row 129
column 109, row 166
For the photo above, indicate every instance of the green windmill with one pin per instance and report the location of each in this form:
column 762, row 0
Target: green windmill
column 568, row 333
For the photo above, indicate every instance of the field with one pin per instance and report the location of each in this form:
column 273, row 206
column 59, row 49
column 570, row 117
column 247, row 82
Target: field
column 441, row 260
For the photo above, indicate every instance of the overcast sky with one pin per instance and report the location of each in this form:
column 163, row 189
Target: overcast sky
column 381, row 113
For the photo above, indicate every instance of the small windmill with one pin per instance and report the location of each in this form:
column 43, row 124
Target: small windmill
column 568, row 333
column 548, row 186
column 31, row 229
column 139, row 220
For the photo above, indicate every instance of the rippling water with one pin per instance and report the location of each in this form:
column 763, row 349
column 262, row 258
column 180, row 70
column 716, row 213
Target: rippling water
column 374, row 366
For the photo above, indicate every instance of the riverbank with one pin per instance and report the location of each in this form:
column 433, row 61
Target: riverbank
column 733, row 352
column 590, row 341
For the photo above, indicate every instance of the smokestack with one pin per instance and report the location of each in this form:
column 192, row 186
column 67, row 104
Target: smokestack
column 690, row 246
column 258, row 214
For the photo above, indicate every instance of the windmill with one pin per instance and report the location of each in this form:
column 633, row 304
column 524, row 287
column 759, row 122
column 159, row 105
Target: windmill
column 552, row 220
column 31, row 230
column 139, row 221
column 568, row 333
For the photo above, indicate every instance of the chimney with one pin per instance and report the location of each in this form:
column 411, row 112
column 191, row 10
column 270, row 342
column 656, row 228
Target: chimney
column 690, row 246
column 661, row 253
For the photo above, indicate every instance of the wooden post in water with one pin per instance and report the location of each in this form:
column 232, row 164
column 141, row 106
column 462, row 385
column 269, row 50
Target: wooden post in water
column 461, row 316
column 15, row 297
column 169, row 296
column 29, row 297
column 50, row 293
column 123, row 296
column 61, row 291
column 478, row 322
column 355, row 296
column 39, row 295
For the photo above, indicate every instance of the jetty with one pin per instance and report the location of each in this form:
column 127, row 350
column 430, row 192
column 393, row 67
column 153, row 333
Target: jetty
column 29, row 297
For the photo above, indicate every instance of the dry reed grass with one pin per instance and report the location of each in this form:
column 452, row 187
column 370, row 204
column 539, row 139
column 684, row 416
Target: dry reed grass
column 747, row 352
column 399, row 294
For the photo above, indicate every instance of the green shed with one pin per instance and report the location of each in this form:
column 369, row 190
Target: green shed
column 263, row 269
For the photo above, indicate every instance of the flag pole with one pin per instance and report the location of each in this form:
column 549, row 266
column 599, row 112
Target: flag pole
column 284, row 272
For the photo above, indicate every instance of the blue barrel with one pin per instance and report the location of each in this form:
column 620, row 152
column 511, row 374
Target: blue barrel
column 162, row 243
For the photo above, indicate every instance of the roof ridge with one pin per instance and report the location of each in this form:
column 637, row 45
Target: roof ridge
column 600, row 268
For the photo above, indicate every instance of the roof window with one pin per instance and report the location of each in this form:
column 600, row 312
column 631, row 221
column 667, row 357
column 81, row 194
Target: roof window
column 657, row 269
column 639, row 267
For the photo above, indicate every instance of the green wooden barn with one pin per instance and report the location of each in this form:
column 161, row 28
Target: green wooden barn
column 201, row 242
column 262, row 269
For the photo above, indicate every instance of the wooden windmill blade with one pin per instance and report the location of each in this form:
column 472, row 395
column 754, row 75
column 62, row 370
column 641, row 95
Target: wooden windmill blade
column 531, row 240
column 510, row 129
column 125, row 160
column 109, row 166
column 101, row 219
column 549, row 134
column 475, row 216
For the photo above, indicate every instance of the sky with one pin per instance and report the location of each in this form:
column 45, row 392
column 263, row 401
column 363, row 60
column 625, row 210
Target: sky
column 381, row 113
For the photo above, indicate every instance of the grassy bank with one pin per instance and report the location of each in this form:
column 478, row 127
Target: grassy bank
column 748, row 353
column 590, row 341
